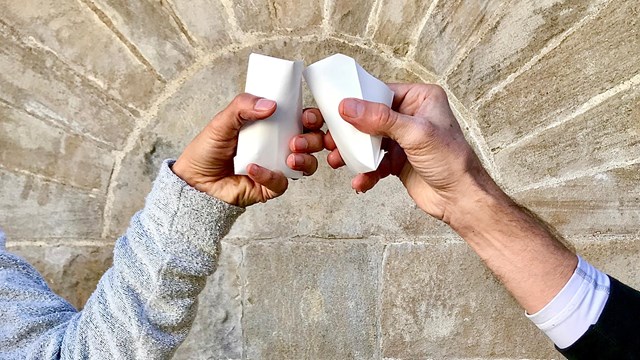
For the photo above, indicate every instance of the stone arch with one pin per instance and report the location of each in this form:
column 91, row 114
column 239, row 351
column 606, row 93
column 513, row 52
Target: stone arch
column 95, row 93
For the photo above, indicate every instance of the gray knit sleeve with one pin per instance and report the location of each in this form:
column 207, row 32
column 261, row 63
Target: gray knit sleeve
column 144, row 304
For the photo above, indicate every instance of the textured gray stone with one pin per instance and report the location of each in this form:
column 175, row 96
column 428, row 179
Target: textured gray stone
column 206, row 20
column 32, row 145
column 448, row 30
column 297, row 14
column 46, row 88
column 264, row 16
column 70, row 271
column 32, row 209
column 151, row 28
column 609, row 132
column 132, row 183
column 398, row 23
column 607, row 203
column 598, row 56
column 63, row 25
column 439, row 301
column 253, row 16
column 324, row 205
column 217, row 332
column 522, row 32
column 351, row 17
column 311, row 299
column 616, row 256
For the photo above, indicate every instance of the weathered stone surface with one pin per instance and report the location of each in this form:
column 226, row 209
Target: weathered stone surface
column 448, row 30
column 376, row 64
column 131, row 185
column 217, row 331
column 253, row 16
column 609, row 132
column 43, row 86
column 439, row 301
column 206, row 20
column 34, row 209
column 297, row 14
column 62, row 26
column 311, row 299
column 617, row 257
column 70, row 271
column 351, row 17
column 526, row 27
column 151, row 28
column 607, row 203
column 324, row 205
column 398, row 22
column 270, row 15
column 598, row 56
column 37, row 147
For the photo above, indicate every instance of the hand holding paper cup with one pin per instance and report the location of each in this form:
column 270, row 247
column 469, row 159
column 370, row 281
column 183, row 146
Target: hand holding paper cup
column 338, row 77
column 266, row 142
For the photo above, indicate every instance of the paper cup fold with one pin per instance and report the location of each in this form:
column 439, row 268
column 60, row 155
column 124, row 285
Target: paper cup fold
column 338, row 77
column 266, row 142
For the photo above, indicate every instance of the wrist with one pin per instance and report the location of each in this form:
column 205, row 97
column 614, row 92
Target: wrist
column 184, row 170
column 520, row 249
column 479, row 197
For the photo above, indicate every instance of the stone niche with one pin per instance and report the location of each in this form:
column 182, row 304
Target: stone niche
column 95, row 94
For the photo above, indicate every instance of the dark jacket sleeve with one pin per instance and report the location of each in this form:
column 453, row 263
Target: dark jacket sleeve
column 615, row 335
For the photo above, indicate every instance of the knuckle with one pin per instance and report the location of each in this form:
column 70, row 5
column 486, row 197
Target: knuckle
column 438, row 92
column 239, row 100
column 243, row 101
column 272, row 176
column 386, row 118
column 428, row 129
column 380, row 113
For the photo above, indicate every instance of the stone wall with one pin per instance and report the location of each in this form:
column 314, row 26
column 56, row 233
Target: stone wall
column 94, row 94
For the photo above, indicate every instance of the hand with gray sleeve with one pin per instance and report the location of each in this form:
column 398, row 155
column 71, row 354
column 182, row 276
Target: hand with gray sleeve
column 145, row 304
column 586, row 313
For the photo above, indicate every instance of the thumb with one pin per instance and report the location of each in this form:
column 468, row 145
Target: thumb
column 243, row 109
column 376, row 119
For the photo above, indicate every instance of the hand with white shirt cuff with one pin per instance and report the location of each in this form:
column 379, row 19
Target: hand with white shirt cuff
column 576, row 307
column 427, row 151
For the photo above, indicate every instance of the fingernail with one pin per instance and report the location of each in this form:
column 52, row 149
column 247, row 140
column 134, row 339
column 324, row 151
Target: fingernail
column 264, row 104
column 298, row 160
column 353, row 108
column 300, row 143
column 312, row 119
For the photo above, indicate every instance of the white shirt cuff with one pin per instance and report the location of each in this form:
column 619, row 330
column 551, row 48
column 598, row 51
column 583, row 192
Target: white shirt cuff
column 576, row 307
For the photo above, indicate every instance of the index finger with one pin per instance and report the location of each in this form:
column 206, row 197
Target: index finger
column 399, row 93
